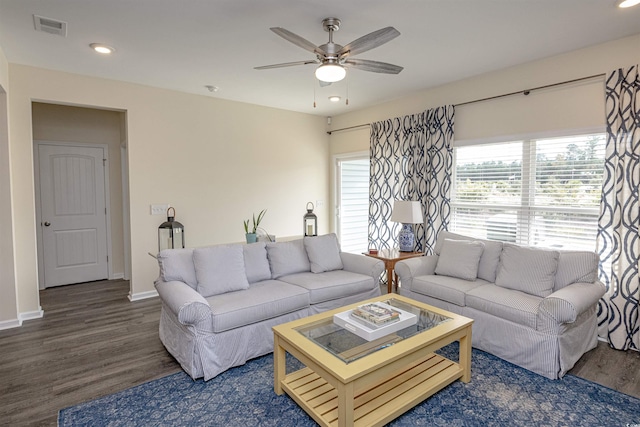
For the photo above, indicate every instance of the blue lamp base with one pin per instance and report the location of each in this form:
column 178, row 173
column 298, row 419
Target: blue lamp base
column 406, row 239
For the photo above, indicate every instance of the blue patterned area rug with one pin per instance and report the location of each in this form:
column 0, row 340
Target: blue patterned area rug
column 499, row 394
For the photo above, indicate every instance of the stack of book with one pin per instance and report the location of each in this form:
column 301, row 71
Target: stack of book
column 375, row 315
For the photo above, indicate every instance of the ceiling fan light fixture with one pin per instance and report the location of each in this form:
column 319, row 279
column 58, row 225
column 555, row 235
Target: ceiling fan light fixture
column 627, row 3
column 330, row 73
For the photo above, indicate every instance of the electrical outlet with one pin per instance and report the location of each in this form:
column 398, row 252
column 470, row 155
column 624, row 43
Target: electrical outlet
column 319, row 203
column 159, row 209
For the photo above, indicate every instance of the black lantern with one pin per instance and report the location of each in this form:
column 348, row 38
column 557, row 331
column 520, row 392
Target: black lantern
column 170, row 233
column 310, row 222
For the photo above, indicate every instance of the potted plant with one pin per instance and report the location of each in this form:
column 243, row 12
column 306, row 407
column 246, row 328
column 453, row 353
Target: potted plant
column 251, row 233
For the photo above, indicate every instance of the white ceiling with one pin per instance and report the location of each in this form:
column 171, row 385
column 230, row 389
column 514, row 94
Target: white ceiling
column 184, row 45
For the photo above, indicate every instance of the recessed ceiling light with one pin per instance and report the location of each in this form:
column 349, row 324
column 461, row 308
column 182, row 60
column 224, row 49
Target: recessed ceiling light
column 334, row 98
column 627, row 3
column 102, row 48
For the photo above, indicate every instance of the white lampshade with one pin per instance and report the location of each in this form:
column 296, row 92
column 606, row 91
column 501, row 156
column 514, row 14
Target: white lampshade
column 407, row 212
column 330, row 73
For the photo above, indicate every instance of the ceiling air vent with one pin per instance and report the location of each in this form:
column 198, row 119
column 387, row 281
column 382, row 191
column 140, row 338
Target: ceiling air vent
column 50, row 26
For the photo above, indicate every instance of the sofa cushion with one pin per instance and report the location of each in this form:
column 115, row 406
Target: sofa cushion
column 526, row 269
column 489, row 260
column 576, row 267
column 177, row 264
column 515, row 306
column 262, row 301
column 445, row 288
column 219, row 269
column 287, row 258
column 331, row 285
column 256, row 264
column 459, row 258
column 323, row 253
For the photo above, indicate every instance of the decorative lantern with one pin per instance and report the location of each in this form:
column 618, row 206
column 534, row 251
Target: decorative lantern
column 310, row 222
column 170, row 233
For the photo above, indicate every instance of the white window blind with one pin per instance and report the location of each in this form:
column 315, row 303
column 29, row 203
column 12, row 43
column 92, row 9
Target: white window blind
column 353, row 204
column 543, row 192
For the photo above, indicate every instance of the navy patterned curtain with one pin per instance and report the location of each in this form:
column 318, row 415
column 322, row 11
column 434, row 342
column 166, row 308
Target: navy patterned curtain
column 618, row 238
column 411, row 159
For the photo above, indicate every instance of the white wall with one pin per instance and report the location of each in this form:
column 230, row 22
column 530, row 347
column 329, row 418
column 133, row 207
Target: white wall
column 8, row 306
column 574, row 106
column 216, row 161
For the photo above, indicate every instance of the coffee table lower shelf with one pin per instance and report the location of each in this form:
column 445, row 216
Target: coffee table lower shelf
column 379, row 404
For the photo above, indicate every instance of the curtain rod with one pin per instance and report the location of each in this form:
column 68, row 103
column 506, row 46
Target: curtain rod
column 523, row 92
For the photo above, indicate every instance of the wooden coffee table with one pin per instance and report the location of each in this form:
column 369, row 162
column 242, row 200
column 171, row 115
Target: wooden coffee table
column 350, row 381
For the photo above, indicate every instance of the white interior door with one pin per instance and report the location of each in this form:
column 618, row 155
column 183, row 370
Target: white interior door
column 73, row 214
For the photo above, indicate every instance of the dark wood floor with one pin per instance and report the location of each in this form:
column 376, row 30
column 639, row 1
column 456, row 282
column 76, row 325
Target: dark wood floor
column 93, row 341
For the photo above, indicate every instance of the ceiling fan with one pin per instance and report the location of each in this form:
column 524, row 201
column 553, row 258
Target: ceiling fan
column 334, row 58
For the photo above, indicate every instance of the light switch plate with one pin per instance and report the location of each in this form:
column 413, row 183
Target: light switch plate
column 159, row 209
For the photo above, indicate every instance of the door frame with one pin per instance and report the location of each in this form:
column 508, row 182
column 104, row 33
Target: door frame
column 38, row 202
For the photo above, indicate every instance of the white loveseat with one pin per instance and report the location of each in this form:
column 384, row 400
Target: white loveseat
column 533, row 307
column 220, row 302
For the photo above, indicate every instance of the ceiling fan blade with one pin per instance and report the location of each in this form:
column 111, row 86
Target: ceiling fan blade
column 369, row 41
column 286, row 64
column 297, row 40
column 373, row 66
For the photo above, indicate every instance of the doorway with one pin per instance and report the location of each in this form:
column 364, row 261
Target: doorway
column 79, row 181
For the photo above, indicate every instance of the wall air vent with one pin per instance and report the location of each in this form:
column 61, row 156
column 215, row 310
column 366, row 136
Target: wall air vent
column 51, row 26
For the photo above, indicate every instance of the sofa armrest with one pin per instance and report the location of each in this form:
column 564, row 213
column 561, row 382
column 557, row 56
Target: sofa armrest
column 189, row 307
column 362, row 264
column 415, row 267
column 566, row 304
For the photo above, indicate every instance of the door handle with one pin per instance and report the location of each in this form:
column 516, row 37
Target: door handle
column 47, row 223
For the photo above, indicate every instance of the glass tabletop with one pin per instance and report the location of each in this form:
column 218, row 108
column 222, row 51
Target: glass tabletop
column 348, row 346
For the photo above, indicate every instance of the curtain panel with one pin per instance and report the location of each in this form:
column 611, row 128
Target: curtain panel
column 411, row 159
column 618, row 239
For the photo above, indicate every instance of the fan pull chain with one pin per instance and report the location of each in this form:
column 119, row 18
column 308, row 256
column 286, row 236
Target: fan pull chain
column 347, row 98
column 314, row 93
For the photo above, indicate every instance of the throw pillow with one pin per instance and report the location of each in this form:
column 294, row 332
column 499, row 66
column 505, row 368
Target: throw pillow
column 177, row 264
column 220, row 269
column 256, row 264
column 323, row 252
column 287, row 258
column 459, row 258
column 529, row 270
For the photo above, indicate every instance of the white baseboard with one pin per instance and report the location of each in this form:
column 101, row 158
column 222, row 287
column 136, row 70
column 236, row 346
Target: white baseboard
column 29, row 315
column 117, row 276
column 9, row 324
column 142, row 295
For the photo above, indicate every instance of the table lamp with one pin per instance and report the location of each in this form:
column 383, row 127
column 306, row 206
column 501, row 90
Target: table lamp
column 407, row 213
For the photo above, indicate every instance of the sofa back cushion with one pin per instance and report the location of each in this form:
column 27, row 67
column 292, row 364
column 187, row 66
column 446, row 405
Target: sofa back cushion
column 323, row 253
column 576, row 267
column 220, row 269
column 287, row 258
column 488, row 265
column 256, row 264
column 177, row 264
column 459, row 258
column 526, row 269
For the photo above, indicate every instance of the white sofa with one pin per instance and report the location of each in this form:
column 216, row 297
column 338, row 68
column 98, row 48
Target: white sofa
column 219, row 303
column 533, row 307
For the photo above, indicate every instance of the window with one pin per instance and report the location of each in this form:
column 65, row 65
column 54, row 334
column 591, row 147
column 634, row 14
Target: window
column 353, row 203
column 543, row 192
